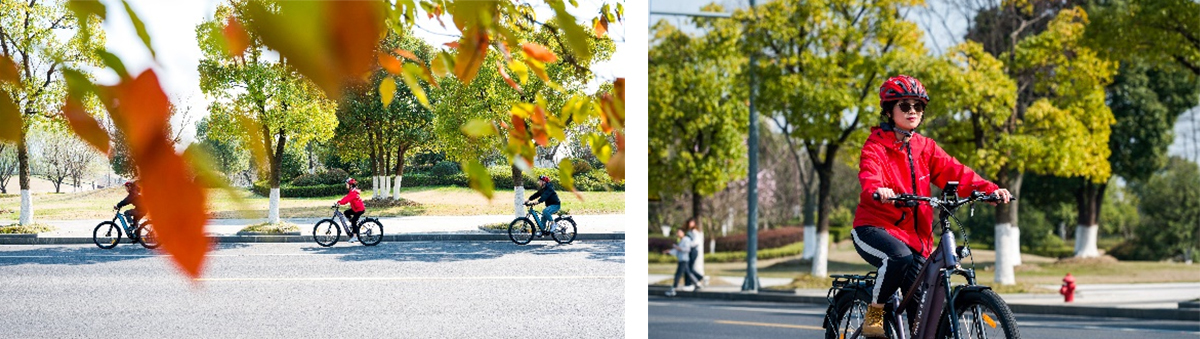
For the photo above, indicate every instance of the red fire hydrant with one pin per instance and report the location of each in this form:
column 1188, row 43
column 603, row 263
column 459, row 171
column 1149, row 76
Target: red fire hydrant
column 1068, row 288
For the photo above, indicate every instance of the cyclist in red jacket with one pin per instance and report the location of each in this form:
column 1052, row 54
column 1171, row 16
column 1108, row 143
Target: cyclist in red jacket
column 135, row 194
column 356, row 206
column 896, row 160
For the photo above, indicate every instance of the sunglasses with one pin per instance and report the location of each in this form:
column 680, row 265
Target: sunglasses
column 907, row 107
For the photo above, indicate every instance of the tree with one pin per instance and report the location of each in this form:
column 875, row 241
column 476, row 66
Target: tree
column 260, row 100
column 51, row 161
column 828, row 62
column 385, row 133
column 1170, row 202
column 8, row 165
column 697, row 113
column 30, row 40
column 231, row 157
column 1160, row 31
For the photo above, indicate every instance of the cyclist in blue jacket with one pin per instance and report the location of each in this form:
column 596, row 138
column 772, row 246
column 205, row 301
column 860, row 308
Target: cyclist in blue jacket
column 547, row 195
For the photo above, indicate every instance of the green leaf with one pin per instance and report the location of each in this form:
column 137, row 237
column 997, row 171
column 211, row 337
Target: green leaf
column 413, row 85
column 479, row 178
column 577, row 38
column 387, row 91
column 565, row 170
column 112, row 61
column 140, row 27
column 442, row 64
column 478, row 128
column 83, row 8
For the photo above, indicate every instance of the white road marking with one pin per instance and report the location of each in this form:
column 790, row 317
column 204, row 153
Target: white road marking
column 747, row 323
column 581, row 277
column 1097, row 328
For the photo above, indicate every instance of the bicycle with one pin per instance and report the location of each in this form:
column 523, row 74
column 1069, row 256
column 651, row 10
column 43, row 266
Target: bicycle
column 522, row 230
column 960, row 311
column 326, row 232
column 107, row 234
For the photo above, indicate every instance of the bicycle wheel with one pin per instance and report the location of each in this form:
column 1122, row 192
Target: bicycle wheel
column 981, row 314
column 565, row 233
column 326, row 233
column 521, row 231
column 107, row 235
column 370, row 232
column 147, row 236
column 847, row 314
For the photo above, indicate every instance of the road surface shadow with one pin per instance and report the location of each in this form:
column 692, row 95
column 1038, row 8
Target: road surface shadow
column 86, row 254
column 452, row 251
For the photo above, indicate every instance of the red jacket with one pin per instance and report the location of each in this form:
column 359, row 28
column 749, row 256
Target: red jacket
column 885, row 164
column 355, row 202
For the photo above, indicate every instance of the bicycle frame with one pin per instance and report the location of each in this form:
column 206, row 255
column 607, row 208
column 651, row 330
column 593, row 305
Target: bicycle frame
column 340, row 218
column 124, row 224
column 536, row 217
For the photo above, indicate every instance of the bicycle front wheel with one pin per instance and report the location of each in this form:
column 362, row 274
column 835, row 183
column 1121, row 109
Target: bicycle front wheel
column 565, row 233
column 326, row 233
column 981, row 314
column 107, row 235
column 370, row 232
column 520, row 231
column 147, row 236
column 847, row 314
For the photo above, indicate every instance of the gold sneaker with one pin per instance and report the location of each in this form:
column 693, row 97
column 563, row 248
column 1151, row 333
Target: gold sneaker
column 873, row 325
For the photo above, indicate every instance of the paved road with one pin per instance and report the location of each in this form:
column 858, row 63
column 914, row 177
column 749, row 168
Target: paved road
column 696, row 319
column 285, row 290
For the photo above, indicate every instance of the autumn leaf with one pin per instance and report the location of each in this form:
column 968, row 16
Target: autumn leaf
column 538, row 52
column 407, row 55
column 538, row 68
column 478, row 128
column 413, row 86
column 85, row 125
column 10, row 118
column 472, row 51
column 442, row 64
column 518, row 130
column 565, row 178
column 521, row 70
column 479, row 179
column 507, row 79
column 452, row 44
column 83, row 8
column 140, row 27
column 387, row 91
column 236, row 38
column 390, row 63
column 9, row 72
column 600, row 25
column 616, row 166
column 172, row 197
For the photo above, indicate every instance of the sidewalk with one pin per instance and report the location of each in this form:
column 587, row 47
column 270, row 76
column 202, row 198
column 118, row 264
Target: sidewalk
column 415, row 228
column 1147, row 301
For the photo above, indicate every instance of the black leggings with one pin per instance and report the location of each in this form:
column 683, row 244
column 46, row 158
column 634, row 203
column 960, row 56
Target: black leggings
column 353, row 216
column 898, row 264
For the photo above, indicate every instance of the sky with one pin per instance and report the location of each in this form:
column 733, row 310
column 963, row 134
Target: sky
column 172, row 28
column 937, row 37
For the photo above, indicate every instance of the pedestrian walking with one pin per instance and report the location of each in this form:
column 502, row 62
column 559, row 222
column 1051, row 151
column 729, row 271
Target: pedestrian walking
column 696, row 238
column 680, row 251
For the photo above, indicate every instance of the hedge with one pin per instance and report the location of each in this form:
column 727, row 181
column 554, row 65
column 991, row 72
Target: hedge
column 767, row 239
column 331, row 182
column 785, row 251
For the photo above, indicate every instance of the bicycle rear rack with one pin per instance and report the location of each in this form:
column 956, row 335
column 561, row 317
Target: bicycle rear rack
column 850, row 282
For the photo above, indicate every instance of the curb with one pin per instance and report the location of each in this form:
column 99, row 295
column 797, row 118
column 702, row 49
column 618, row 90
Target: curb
column 33, row 239
column 1089, row 311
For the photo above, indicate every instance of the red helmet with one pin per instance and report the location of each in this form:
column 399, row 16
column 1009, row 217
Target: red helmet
column 902, row 87
column 351, row 181
column 544, row 178
column 129, row 183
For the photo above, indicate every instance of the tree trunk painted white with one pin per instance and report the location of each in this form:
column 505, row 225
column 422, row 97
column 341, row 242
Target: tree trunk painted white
column 273, row 215
column 519, row 201
column 1014, row 251
column 387, row 186
column 1004, row 266
column 700, row 258
column 396, row 188
column 810, row 242
column 26, row 208
column 712, row 246
column 1085, row 241
column 820, row 262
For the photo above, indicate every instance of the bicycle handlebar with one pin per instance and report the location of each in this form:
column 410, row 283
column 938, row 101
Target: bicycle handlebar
column 909, row 200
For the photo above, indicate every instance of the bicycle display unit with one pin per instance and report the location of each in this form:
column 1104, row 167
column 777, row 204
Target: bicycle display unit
column 944, row 310
column 522, row 230
column 108, row 234
column 328, row 231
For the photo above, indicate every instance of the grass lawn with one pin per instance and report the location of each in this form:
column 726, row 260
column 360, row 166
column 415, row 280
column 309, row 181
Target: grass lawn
column 448, row 200
column 1035, row 270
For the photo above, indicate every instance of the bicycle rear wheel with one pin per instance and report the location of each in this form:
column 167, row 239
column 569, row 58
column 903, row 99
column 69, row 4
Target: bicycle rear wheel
column 566, row 231
column 147, row 236
column 981, row 314
column 107, row 235
column 520, row 231
column 370, row 232
column 326, row 233
column 847, row 314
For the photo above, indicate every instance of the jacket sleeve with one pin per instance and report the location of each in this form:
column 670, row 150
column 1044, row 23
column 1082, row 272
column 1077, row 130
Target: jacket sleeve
column 128, row 200
column 870, row 170
column 549, row 193
column 535, row 195
column 346, row 199
column 945, row 168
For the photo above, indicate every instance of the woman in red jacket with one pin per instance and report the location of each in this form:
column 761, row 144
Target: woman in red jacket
column 356, row 206
column 896, row 160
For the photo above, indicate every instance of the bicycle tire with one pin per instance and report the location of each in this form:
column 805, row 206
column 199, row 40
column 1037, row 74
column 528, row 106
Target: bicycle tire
column 520, row 231
column 847, row 313
column 147, row 236
column 566, row 230
column 109, row 228
column 370, row 232
column 326, row 233
column 997, row 316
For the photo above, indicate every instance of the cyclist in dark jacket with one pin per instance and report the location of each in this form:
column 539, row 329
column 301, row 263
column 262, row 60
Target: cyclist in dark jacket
column 546, row 194
column 134, row 196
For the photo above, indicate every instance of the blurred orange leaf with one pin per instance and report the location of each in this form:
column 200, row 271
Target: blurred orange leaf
column 539, row 115
column 507, row 79
column 390, row 63
column 600, row 25
column 10, row 118
column 452, row 44
column 236, row 38
column 442, row 63
column 518, row 130
column 474, row 45
column 9, row 72
column 408, row 55
column 538, row 52
column 616, row 166
column 85, row 125
column 539, row 135
column 172, row 197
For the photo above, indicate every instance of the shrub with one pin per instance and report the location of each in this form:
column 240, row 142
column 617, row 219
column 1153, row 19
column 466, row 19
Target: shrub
column 330, row 177
column 789, row 250
column 766, row 239
column 580, row 166
column 660, row 243
column 597, row 180
column 445, row 168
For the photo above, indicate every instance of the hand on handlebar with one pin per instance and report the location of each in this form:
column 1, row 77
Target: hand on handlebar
column 1000, row 196
column 883, row 194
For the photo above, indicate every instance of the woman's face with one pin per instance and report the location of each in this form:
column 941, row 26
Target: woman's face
column 908, row 120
